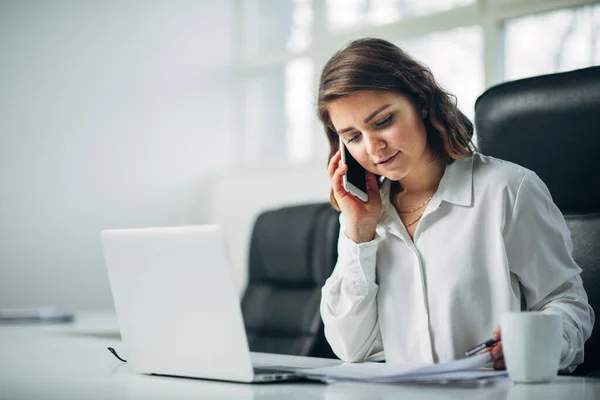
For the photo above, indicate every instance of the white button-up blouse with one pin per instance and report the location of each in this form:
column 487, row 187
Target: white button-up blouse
column 490, row 236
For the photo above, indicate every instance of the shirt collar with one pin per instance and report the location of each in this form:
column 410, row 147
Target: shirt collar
column 456, row 185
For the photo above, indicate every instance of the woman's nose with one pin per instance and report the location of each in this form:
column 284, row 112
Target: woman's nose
column 374, row 144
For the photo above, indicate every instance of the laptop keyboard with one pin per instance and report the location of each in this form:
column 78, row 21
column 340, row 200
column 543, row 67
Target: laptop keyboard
column 267, row 370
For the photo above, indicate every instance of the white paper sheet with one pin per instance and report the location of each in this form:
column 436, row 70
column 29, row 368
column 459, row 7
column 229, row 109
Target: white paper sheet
column 469, row 368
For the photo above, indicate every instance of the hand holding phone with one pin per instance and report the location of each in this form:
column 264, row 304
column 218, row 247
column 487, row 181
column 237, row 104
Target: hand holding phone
column 362, row 214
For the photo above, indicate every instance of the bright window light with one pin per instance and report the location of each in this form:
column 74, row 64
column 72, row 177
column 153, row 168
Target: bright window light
column 299, row 100
column 456, row 60
column 275, row 26
column 552, row 42
column 351, row 14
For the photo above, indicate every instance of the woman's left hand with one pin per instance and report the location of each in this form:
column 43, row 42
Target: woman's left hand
column 496, row 351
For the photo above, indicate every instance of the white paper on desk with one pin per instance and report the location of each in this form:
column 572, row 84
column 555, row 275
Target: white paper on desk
column 448, row 377
column 463, row 369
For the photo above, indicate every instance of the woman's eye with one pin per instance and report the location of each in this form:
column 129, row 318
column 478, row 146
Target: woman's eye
column 353, row 138
column 384, row 122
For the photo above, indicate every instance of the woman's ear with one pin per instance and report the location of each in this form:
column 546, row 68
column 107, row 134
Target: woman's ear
column 424, row 113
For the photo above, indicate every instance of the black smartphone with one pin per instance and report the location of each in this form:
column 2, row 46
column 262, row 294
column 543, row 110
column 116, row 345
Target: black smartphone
column 355, row 179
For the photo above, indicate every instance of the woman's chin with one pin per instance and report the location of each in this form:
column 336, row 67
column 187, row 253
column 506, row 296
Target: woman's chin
column 394, row 175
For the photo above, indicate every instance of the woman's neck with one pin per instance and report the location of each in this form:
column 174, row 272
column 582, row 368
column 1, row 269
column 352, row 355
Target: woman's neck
column 424, row 178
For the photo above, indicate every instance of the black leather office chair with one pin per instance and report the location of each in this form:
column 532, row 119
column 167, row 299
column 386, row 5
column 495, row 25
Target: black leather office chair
column 551, row 125
column 292, row 252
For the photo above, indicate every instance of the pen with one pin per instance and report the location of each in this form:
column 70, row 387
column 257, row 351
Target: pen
column 479, row 347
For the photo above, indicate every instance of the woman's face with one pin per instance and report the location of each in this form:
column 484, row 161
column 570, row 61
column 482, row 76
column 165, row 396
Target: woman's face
column 383, row 131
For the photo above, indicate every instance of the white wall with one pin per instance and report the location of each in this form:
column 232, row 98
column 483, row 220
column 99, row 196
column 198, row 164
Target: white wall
column 235, row 198
column 112, row 114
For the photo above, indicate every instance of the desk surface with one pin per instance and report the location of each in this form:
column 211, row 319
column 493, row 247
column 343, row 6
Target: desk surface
column 71, row 362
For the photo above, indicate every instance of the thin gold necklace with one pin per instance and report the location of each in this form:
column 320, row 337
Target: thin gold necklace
column 415, row 221
column 416, row 208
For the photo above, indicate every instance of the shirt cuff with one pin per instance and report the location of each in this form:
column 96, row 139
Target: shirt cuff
column 359, row 259
column 568, row 352
column 569, row 346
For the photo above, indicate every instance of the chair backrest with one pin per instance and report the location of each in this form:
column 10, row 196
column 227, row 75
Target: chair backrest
column 551, row 125
column 292, row 252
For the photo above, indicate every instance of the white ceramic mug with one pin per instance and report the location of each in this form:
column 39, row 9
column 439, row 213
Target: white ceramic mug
column 531, row 342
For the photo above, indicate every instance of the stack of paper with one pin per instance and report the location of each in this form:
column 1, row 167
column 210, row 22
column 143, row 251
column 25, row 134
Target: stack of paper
column 466, row 369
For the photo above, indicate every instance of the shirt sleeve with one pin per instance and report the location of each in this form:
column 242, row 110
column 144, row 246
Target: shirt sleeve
column 349, row 301
column 539, row 250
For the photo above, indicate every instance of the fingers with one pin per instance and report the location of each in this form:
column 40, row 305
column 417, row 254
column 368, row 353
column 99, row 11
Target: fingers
column 337, row 182
column 499, row 364
column 334, row 164
column 373, row 189
column 497, row 352
column 497, row 334
column 336, row 172
column 498, row 356
column 372, row 186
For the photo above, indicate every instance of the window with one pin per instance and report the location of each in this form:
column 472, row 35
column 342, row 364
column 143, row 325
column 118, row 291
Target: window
column 264, row 117
column 273, row 26
column 456, row 60
column 468, row 44
column 350, row 14
column 299, row 113
column 552, row 42
column 279, row 114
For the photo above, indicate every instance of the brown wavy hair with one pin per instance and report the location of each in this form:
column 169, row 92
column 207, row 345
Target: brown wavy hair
column 378, row 65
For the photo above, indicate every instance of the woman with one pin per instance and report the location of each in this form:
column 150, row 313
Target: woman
column 449, row 238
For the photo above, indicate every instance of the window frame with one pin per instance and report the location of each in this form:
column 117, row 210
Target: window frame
column 488, row 14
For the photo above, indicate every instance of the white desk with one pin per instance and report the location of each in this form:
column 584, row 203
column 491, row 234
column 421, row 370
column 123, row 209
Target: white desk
column 71, row 362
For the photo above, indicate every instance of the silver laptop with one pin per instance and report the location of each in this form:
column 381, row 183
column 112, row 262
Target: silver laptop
column 178, row 308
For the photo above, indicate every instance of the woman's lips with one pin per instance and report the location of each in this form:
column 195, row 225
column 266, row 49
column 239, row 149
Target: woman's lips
column 388, row 161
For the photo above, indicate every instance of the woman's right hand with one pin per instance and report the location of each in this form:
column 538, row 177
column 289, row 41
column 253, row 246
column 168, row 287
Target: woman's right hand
column 361, row 217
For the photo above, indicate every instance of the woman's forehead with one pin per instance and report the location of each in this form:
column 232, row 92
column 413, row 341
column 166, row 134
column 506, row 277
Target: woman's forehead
column 354, row 105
